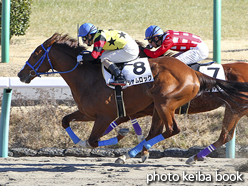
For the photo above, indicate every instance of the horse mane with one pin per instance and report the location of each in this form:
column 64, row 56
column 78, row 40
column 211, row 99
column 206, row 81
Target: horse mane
column 67, row 43
column 70, row 46
column 139, row 43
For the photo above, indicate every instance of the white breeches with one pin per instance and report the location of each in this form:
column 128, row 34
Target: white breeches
column 128, row 53
column 196, row 54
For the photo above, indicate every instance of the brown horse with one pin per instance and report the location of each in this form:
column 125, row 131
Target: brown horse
column 174, row 85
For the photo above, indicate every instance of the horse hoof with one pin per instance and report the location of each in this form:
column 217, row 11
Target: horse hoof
column 123, row 132
column 140, row 138
column 85, row 144
column 191, row 160
column 144, row 157
column 120, row 161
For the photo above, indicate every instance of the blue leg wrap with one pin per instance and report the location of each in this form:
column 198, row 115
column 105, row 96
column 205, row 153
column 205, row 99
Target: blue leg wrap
column 133, row 152
column 111, row 141
column 72, row 135
column 153, row 141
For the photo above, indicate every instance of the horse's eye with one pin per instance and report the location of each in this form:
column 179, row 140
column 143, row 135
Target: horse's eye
column 35, row 55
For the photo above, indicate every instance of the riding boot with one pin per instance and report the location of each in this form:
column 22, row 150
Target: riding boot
column 119, row 78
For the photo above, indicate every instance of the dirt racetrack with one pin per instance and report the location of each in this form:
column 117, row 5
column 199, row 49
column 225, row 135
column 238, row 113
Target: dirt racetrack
column 103, row 171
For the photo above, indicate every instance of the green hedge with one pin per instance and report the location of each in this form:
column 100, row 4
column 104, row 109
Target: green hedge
column 20, row 11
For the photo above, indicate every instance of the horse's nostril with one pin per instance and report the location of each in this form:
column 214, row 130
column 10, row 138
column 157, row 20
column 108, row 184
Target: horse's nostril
column 19, row 75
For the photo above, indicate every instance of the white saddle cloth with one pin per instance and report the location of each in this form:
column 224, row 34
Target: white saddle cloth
column 213, row 70
column 136, row 72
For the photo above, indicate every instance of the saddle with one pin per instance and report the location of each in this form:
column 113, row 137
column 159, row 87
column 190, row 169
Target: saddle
column 196, row 66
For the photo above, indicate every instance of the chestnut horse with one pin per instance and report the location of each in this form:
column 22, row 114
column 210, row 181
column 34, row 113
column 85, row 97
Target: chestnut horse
column 206, row 102
column 174, row 85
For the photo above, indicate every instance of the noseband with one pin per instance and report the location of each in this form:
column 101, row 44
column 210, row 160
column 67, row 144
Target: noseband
column 34, row 70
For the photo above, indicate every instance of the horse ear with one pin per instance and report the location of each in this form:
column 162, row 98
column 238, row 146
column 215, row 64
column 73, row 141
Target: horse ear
column 55, row 37
column 51, row 43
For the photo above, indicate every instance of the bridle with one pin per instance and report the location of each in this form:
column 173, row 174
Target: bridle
column 37, row 65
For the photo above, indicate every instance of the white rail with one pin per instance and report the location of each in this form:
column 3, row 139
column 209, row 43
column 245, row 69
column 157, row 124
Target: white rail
column 44, row 82
column 53, row 87
column 9, row 83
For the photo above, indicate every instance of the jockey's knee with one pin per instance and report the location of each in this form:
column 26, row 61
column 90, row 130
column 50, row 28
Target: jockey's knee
column 106, row 62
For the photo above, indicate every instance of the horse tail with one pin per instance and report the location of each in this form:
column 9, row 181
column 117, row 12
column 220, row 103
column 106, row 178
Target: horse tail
column 228, row 89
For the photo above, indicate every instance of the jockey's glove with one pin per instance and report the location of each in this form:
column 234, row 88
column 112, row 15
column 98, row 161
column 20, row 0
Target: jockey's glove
column 79, row 58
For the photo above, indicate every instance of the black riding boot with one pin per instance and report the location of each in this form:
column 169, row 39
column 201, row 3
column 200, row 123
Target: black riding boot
column 119, row 78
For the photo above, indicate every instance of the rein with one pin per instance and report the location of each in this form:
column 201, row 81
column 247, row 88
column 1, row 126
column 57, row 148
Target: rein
column 41, row 60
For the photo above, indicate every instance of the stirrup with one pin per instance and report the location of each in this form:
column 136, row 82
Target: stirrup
column 118, row 82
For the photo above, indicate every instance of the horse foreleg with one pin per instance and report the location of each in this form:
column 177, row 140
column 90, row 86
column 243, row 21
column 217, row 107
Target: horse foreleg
column 133, row 152
column 145, row 152
column 156, row 129
column 171, row 127
column 75, row 116
column 230, row 120
column 100, row 126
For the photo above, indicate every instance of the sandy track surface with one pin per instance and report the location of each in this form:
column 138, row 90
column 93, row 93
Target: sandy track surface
column 103, row 171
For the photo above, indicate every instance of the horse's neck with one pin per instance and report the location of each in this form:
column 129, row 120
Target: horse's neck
column 84, row 77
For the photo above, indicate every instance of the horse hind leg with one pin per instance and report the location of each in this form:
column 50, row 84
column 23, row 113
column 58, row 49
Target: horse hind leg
column 124, row 131
column 228, row 127
column 115, row 124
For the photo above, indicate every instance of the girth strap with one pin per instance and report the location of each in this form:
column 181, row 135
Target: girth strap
column 184, row 109
column 121, row 111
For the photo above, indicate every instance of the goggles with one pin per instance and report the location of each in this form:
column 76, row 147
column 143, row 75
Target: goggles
column 150, row 40
column 85, row 38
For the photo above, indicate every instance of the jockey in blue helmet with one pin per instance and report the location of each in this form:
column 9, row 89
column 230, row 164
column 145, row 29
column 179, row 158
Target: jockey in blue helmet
column 152, row 32
column 112, row 46
column 86, row 29
column 191, row 47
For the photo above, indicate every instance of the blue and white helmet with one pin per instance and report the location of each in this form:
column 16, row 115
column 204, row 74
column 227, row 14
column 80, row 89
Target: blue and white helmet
column 153, row 31
column 85, row 29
